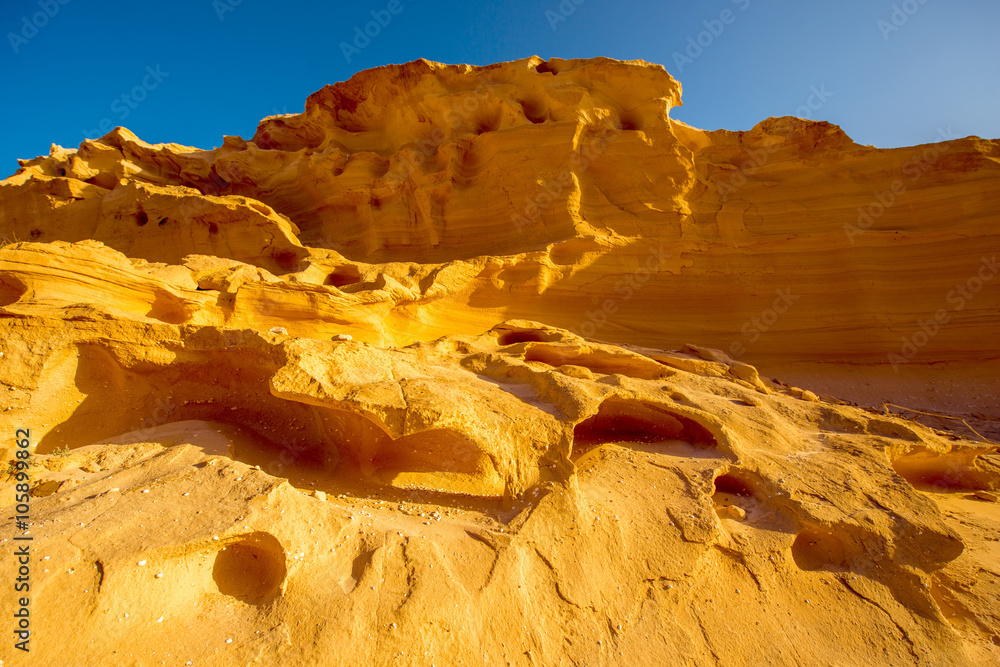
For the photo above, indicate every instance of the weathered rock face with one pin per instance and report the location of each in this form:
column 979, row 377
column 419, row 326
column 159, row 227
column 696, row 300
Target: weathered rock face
column 392, row 383
column 558, row 191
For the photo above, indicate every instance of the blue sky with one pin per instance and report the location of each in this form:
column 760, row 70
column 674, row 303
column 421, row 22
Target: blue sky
column 891, row 72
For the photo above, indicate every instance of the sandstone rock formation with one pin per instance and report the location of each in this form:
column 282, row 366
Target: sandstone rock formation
column 451, row 368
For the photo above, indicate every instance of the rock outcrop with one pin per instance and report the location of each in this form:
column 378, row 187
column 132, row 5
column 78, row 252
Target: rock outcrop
column 452, row 367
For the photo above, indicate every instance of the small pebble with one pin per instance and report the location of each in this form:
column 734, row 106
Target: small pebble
column 986, row 495
column 733, row 512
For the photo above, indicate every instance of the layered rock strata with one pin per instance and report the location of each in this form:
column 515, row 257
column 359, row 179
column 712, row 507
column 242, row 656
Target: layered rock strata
column 452, row 367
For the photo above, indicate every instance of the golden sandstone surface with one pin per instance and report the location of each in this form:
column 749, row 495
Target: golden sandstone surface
column 454, row 368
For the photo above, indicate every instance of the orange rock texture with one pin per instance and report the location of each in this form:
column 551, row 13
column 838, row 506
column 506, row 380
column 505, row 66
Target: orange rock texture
column 454, row 367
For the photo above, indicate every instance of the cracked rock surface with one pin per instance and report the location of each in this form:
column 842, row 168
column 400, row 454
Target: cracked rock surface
column 476, row 365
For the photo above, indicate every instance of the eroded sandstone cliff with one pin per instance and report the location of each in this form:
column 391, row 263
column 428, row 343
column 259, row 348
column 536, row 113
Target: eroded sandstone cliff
column 452, row 367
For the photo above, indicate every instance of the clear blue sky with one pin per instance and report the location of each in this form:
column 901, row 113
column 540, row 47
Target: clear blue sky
column 224, row 64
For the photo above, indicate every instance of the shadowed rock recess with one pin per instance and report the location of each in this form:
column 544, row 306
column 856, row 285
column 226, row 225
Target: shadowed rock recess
column 454, row 367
